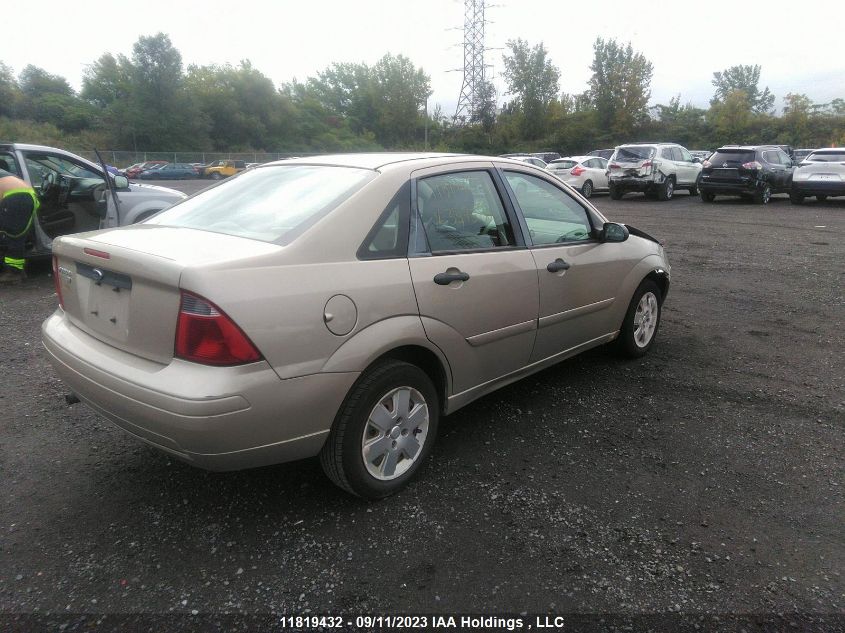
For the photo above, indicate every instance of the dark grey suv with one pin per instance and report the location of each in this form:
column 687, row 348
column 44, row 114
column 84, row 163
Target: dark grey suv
column 751, row 171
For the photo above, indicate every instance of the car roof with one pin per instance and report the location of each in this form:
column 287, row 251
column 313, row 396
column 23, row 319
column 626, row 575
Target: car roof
column 748, row 148
column 380, row 160
column 575, row 158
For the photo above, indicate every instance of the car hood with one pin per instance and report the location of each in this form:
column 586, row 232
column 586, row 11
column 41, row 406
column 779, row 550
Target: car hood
column 157, row 189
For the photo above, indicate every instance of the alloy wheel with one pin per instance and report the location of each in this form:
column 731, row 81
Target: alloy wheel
column 395, row 433
column 645, row 319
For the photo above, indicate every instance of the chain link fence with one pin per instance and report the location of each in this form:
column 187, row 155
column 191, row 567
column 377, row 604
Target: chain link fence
column 124, row 158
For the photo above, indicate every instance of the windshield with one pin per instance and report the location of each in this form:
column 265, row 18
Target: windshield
column 267, row 203
column 827, row 157
column 62, row 166
column 634, row 153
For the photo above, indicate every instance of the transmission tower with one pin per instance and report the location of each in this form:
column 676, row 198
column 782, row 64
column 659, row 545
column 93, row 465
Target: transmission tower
column 468, row 102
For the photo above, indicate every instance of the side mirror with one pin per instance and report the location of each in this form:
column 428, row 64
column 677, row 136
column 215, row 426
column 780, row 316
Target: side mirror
column 121, row 182
column 613, row 232
column 696, row 159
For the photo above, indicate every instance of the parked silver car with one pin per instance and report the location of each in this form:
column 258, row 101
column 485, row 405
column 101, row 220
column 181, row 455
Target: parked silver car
column 74, row 194
column 339, row 305
column 821, row 174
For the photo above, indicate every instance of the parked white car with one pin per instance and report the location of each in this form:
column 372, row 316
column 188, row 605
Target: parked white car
column 821, row 174
column 587, row 174
column 653, row 168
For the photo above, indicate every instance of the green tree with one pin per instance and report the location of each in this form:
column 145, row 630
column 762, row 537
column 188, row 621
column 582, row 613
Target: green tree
column 731, row 118
column 535, row 83
column 10, row 93
column 619, row 87
column 747, row 79
column 386, row 100
column 485, row 108
column 161, row 112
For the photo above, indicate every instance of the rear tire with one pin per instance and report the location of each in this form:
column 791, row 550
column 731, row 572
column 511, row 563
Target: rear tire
column 666, row 190
column 587, row 189
column 796, row 198
column 615, row 192
column 693, row 191
column 216, row 176
column 707, row 196
column 821, row 198
column 764, row 195
column 639, row 329
column 383, row 432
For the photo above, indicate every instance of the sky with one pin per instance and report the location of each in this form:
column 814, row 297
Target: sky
column 799, row 45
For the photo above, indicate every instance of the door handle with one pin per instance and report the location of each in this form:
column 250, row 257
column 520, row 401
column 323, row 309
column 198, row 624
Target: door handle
column 557, row 265
column 444, row 279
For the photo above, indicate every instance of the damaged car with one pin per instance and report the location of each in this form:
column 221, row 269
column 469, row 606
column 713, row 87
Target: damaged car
column 656, row 169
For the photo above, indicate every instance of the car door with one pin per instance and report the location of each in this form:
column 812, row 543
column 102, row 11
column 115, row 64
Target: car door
column 68, row 189
column 788, row 170
column 775, row 168
column 690, row 167
column 579, row 276
column 474, row 279
column 598, row 173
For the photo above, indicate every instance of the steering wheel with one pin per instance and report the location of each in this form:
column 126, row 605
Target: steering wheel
column 574, row 235
column 48, row 181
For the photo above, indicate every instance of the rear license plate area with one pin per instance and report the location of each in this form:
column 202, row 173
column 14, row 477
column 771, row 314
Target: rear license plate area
column 104, row 299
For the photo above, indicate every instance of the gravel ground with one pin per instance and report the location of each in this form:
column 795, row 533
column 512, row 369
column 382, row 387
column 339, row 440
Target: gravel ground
column 706, row 478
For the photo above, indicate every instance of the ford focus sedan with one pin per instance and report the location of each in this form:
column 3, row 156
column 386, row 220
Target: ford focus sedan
column 341, row 305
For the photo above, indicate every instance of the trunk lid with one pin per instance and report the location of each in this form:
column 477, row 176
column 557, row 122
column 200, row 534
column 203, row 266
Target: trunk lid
column 122, row 286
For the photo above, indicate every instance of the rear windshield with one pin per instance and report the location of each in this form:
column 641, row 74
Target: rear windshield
column 562, row 164
column 634, row 153
column 827, row 157
column 267, row 203
column 732, row 158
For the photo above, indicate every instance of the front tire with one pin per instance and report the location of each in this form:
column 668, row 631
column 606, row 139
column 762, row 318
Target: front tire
column 587, row 189
column 796, row 198
column 383, row 432
column 639, row 328
column 821, row 198
column 216, row 176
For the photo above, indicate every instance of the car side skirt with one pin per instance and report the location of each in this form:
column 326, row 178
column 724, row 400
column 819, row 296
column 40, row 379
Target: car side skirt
column 462, row 399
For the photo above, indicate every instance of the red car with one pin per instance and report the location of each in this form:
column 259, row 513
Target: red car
column 135, row 170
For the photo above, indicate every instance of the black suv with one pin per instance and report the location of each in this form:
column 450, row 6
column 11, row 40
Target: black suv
column 750, row 171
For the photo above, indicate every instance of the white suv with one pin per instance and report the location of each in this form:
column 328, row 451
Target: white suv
column 658, row 168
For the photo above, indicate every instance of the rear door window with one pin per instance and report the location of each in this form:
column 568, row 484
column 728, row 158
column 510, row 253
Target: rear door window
column 462, row 211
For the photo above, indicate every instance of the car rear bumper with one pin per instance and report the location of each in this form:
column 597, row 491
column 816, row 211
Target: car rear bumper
column 731, row 188
column 819, row 187
column 634, row 183
column 219, row 418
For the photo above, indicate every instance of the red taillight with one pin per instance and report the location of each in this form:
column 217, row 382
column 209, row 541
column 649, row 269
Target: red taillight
column 614, row 166
column 646, row 164
column 205, row 334
column 752, row 165
column 577, row 170
column 95, row 253
column 57, row 281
